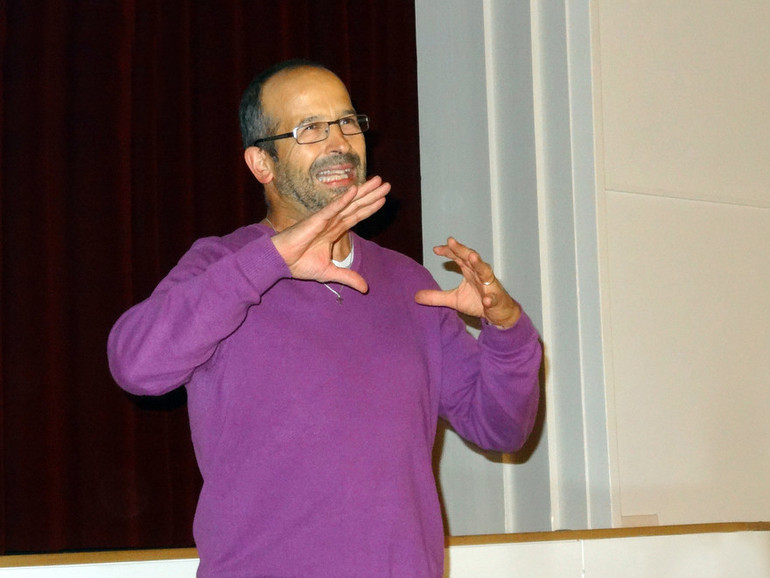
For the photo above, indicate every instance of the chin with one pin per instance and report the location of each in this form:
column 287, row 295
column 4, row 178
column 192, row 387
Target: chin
column 336, row 191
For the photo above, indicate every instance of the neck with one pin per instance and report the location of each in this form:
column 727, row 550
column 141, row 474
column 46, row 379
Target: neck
column 340, row 248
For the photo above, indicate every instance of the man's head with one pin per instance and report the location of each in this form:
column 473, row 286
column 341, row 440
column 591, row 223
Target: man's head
column 305, row 177
column 254, row 122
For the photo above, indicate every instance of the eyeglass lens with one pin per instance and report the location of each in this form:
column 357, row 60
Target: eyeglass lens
column 318, row 131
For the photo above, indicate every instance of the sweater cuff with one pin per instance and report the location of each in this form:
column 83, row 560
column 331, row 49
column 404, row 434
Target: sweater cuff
column 518, row 334
column 262, row 264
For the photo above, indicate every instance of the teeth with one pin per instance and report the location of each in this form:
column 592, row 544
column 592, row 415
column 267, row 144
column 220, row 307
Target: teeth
column 332, row 175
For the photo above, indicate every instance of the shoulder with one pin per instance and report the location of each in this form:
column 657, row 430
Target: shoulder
column 238, row 238
column 209, row 250
column 216, row 247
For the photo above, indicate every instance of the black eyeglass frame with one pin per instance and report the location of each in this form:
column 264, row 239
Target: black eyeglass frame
column 362, row 121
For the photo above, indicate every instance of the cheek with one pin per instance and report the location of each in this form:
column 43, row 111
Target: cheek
column 292, row 152
column 360, row 150
column 299, row 162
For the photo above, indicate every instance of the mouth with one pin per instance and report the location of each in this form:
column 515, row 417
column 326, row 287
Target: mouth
column 337, row 176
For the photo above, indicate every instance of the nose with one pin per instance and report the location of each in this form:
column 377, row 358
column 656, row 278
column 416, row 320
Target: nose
column 337, row 141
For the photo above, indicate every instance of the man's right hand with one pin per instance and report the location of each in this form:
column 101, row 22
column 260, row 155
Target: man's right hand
column 307, row 245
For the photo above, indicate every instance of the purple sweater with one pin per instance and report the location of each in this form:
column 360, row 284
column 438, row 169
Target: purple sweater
column 313, row 422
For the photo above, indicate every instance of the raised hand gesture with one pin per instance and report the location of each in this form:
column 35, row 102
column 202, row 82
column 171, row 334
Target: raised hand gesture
column 479, row 294
column 307, row 245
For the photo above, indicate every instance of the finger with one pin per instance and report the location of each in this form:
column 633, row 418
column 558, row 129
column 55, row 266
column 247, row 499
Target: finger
column 453, row 249
column 462, row 251
column 482, row 270
column 366, row 188
column 364, row 212
column 371, row 184
column 328, row 220
column 347, row 277
column 368, row 193
column 339, row 203
column 353, row 203
column 466, row 254
column 471, row 263
column 349, row 217
column 364, row 207
column 444, row 251
column 433, row 297
column 490, row 281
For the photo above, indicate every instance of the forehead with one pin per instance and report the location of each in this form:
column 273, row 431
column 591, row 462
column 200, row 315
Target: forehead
column 302, row 94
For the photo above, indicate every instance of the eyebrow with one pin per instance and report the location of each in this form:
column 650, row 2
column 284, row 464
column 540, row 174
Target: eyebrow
column 316, row 117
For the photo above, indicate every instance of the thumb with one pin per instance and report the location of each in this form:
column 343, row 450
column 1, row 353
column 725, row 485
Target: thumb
column 349, row 278
column 432, row 297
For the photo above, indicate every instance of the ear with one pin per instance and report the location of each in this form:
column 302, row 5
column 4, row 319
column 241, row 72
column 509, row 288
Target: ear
column 260, row 164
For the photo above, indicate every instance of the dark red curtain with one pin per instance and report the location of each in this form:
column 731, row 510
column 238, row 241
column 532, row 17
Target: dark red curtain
column 119, row 146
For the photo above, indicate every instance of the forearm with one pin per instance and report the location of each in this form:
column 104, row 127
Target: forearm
column 157, row 345
column 496, row 403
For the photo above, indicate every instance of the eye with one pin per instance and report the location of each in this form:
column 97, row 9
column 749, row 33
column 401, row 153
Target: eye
column 312, row 128
column 349, row 121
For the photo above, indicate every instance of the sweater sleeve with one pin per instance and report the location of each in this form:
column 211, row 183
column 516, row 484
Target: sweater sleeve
column 156, row 345
column 490, row 390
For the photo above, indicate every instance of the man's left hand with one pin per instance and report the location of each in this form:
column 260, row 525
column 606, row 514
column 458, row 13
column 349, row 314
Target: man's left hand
column 480, row 293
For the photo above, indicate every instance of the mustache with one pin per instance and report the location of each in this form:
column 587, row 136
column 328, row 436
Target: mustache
column 334, row 160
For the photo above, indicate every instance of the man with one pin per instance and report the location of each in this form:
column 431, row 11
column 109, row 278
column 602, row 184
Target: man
column 317, row 363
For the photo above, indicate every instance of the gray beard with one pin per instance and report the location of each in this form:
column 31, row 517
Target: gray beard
column 302, row 188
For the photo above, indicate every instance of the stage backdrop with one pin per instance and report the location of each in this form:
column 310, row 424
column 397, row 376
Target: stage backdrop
column 119, row 146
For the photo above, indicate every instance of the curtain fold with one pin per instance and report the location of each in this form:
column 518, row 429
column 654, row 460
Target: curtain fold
column 119, row 146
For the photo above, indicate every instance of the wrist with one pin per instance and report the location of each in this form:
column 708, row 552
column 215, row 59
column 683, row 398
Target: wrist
column 505, row 320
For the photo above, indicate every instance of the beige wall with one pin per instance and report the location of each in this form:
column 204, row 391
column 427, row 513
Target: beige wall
column 651, row 123
column 682, row 119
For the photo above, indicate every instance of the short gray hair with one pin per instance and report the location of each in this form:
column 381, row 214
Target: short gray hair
column 255, row 124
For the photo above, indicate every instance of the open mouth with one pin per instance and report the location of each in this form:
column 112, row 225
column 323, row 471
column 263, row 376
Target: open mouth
column 336, row 175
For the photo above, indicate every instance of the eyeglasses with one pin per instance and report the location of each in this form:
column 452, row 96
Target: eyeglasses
column 316, row 131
